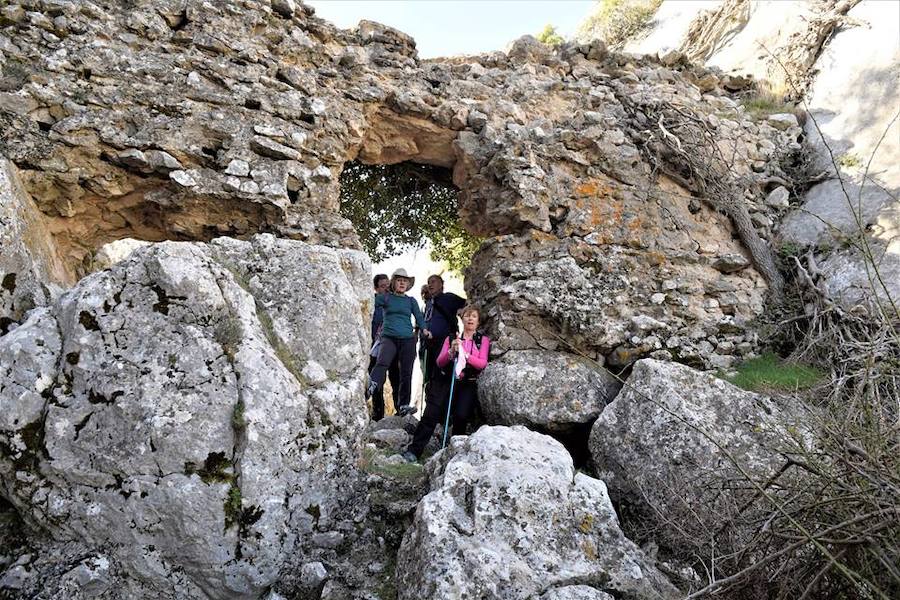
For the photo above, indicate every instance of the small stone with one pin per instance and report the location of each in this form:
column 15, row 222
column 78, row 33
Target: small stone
column 133, row 158
column 725, row 347
column 272, row 149
column 760, row 220
column 657, row 298
column 730, row 263
column 238, row 167
column 312, row 575
column 783, row 121
column 477, row 120
column 232, row 184
column 778, row 198
column 162, row 161
column 718, row 361
column 194, row 78
column 330, row 539
column 250, row 187
column 285, row 8
column 390, row 438
column 183, row 178
column 642, row 323
column 669, row 284
column 670, row 57
column 321, row 174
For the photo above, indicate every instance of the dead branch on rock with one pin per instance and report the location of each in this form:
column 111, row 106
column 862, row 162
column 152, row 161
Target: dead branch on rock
column 800, row 51
column 681, row 144
column 711, row 30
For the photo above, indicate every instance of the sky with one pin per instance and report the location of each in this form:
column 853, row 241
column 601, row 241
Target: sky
column 451, row 27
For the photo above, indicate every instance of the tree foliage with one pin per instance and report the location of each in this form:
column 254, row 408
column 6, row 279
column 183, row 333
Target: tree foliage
column 617, row 21
column 395, row 208
column 550, row 36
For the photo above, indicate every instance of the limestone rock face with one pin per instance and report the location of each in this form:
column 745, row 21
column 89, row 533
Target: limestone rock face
column 176, row 411
column 200, row 119
column 30, row 270
column 508, row 517
column 546, row 389
column 666, row 439
column 842, row 57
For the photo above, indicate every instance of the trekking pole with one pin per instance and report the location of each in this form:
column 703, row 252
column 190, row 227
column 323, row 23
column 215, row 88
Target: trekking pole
column 449, row 403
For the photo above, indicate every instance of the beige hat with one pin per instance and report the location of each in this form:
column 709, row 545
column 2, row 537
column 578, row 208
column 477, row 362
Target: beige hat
column 402, row 273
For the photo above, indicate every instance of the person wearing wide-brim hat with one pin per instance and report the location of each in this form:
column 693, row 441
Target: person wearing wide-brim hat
column 397, row 337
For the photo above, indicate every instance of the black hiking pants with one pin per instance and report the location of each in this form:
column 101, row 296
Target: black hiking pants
column 403, row 349
column 378, row 396
column 463, row 405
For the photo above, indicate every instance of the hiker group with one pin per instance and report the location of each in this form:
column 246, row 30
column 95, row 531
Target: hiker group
column 450, row 359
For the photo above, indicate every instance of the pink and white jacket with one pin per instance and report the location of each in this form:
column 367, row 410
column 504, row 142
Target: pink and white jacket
column 477, row 357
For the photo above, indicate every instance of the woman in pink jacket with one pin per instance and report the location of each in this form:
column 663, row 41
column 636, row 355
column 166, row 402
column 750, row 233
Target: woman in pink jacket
column 475, row 347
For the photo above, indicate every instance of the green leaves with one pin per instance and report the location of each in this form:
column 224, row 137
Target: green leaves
column 395, row 208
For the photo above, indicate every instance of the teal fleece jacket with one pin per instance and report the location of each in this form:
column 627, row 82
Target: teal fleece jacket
column 397, row 311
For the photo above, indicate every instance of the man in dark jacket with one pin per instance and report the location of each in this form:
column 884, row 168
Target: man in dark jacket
column 444, row 308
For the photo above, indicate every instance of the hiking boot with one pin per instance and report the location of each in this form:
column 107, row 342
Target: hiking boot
column 409, row 456
column 406, row 410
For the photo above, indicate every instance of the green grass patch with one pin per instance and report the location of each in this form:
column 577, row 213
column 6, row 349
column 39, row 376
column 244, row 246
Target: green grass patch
column 401, row 471
column 770, row 373
column 762, row 105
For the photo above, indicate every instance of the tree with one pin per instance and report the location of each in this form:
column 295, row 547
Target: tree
column 398, row 207
column 549, row 36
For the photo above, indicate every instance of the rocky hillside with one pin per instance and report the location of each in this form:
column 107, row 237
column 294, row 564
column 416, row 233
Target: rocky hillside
column 190, row 423
column 838, row 61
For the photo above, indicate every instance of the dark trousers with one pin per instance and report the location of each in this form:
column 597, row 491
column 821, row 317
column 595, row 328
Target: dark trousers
column 378, row 396
column 430, row 348
column 391, row 349
column 464, row 402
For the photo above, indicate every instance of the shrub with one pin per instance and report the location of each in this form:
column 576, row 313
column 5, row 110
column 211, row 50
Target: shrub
column 549, row 36
column 617, row 21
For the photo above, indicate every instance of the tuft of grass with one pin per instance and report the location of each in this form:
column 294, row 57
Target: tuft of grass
column 401, row 471
column 229, row 333
column 789, row 249
column 768, row 372
column 238, row 420
column 762, row 105
column 769, row 98
column 233, row 502
column 850, row 161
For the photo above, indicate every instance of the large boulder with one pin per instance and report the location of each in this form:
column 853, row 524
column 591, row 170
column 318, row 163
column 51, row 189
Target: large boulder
column 195, row 411
column 545, row 389
column 676, row 440
column 508, row 517
column 30, row 270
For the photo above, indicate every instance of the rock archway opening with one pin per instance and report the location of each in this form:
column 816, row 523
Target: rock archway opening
column 399, row 207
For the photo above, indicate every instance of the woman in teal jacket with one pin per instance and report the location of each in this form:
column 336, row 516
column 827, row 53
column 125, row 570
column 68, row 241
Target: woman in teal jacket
column 397, row 337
